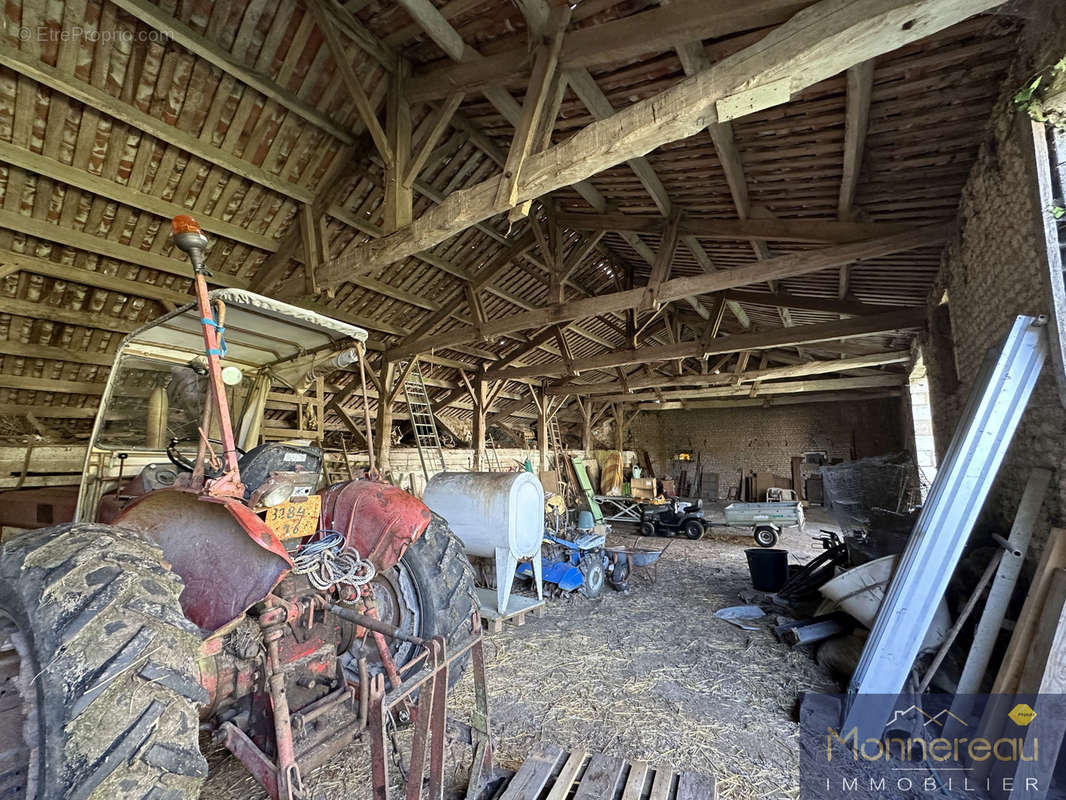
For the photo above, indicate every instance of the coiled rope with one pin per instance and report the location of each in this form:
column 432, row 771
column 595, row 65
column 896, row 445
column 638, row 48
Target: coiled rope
column 328, row 561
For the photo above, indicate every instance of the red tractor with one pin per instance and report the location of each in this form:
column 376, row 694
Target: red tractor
column 202, row 588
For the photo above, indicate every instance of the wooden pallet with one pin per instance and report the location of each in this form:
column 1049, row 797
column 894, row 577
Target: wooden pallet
column 553, row 774
column 517, row 609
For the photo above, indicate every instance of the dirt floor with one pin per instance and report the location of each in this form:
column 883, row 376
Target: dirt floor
column 649, row 675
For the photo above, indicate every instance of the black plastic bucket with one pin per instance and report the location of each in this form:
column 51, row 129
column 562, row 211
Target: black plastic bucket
column 768, row 568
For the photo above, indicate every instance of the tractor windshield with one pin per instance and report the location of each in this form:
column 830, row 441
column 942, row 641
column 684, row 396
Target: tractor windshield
column 159, row 401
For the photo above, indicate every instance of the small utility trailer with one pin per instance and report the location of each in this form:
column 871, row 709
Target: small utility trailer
column 765, row 519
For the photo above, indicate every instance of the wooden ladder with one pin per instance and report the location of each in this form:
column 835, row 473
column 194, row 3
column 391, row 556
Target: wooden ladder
column 430, row 452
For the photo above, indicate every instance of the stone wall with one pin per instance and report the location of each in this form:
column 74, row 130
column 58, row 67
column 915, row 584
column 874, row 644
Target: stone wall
column 992, row 271
column 766, row 439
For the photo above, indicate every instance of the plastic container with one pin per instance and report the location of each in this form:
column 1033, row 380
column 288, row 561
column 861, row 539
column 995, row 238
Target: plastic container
column 496, row 515
column 861, row 590
column 585, row 521
column 768, row 568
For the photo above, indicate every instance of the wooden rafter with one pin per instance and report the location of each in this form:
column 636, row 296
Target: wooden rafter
column 770, row 373
column 537, row 96
column 817, row 43
column 351, row 80
column 612, row 42
column 778, row 337
column 775, row 269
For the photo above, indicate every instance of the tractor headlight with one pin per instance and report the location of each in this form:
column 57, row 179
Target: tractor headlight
column 276, row 495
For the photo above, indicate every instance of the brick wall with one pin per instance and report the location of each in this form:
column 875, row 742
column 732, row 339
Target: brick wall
column 993, row 271
column 766, row 439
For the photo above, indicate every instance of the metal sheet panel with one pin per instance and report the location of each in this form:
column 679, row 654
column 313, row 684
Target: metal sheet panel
column 987, row 425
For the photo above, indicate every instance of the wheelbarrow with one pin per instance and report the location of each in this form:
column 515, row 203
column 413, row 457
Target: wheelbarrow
column 623, row 560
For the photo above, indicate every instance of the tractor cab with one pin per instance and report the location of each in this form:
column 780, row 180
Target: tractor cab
column 147, row 434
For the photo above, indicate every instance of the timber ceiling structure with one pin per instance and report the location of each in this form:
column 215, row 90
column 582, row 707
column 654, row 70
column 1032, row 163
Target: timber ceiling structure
column 660, row 203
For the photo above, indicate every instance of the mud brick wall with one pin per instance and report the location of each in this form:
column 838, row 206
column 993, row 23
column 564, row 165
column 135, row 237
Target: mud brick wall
column 992, row 271
column 766, row 439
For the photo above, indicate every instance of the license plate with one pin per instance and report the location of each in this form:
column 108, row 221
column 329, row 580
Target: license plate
column 295, row 519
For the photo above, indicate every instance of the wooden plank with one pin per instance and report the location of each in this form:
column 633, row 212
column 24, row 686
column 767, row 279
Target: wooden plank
column 661, row 787
column 778, row 268
column 616, row 41
column 695, row 786
column 565, row 780
column 780, row 337
column 1052, row 559
column 638, row 773
column 535, row 773
column 602, row 778
column 817, row 43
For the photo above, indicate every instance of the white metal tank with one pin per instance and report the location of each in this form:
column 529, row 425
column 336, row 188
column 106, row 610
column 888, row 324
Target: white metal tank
column 496, row 515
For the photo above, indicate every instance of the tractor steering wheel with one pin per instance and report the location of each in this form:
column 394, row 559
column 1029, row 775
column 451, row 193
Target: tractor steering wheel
column 186, row 464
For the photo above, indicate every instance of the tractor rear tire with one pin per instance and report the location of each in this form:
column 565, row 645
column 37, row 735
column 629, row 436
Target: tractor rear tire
column 95, row 643
column 445, row 582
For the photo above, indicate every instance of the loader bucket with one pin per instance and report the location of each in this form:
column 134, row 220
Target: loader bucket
column 228, row 558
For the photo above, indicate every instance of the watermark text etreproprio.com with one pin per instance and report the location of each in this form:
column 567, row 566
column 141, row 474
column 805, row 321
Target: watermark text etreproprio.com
column 50, row 33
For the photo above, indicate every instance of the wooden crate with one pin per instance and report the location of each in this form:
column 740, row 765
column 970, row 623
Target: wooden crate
column 551, row 773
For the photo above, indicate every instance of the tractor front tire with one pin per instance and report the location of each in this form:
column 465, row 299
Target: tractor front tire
column 445, row 582
column 93, row 640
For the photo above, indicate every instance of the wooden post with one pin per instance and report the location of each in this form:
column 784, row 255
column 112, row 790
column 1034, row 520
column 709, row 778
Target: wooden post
column 539, row 400
column 399, row 196
column 479, row 431
column 586, row 423
column 383, row 428
column 619, row 425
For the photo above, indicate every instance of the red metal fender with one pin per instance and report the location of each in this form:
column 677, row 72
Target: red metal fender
column 379, row 520
column 228, row 558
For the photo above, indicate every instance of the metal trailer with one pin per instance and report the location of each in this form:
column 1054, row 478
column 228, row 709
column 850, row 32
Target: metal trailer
column 765, row 519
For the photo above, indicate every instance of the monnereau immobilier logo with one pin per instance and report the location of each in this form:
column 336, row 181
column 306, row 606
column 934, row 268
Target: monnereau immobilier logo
column 941, row 746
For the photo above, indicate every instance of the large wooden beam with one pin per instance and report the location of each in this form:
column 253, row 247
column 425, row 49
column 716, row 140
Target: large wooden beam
column 612, row 42
column 765, row 389
column 819, row 42
column 800, row 303
column 770, row 373
column 778, row 268
column 838, row 396
column 778, row 337
column 806, row 230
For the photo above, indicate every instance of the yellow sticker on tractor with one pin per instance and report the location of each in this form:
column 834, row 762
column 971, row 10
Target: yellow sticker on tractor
column 295, row 519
